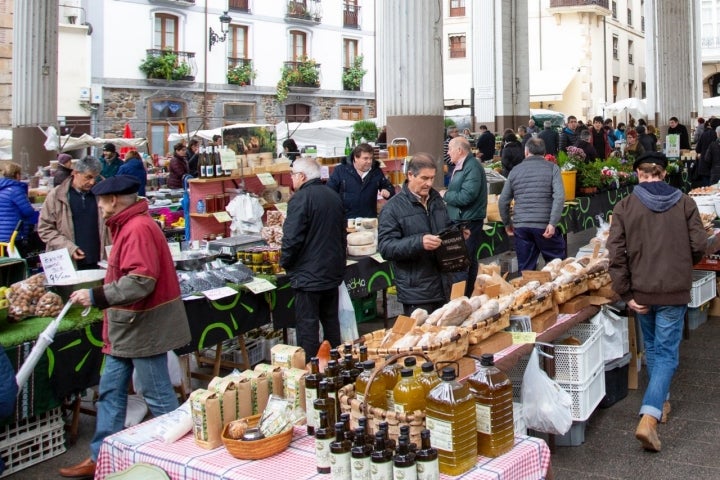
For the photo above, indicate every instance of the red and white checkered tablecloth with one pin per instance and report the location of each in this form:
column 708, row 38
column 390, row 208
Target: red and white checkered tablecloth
column 529, row 459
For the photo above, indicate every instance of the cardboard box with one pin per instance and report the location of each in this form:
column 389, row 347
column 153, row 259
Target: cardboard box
column 576, row 304
column 715, row 307
column 545, row 320
column 493, row 344
column 287, row 356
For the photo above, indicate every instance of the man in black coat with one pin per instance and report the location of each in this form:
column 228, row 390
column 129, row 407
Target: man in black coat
column 550, row 137
column 486, row 144
column 314, row 253
column 676, row 128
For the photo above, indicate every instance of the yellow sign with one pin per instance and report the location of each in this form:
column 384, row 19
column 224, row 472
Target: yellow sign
column 523, row 337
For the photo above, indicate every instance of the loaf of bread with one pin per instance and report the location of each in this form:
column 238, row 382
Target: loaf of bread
column 456, row 312
column 420, row 315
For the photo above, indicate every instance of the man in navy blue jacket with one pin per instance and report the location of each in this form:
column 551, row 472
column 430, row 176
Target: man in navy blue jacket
column 358, row 184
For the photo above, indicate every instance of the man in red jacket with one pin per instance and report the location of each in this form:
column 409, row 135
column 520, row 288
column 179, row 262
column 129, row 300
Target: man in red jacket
column 144, row 314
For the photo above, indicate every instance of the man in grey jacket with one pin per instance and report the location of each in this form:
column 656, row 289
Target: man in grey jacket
column 536, row 186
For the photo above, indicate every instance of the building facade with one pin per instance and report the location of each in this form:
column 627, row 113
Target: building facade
column 167, row 66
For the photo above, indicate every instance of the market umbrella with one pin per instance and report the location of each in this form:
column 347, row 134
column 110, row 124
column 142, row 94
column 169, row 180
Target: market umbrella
column 127, row 133
column 44, row 340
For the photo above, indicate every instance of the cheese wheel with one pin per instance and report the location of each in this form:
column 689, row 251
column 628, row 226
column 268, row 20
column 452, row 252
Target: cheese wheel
column 361, row 250
column 360, row 238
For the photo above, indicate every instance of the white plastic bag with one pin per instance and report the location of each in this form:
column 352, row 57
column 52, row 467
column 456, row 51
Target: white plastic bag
column 346, row 315
column 612, row 337
column 546, row 407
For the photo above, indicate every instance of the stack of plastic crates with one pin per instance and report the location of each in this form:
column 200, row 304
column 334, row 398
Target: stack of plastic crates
column 702, row 292
column 32, row 440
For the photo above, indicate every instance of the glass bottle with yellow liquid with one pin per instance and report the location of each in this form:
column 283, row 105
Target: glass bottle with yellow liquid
column 450, row 417
column 376, row 393
column 492, row 390
column 408, row 394
column 390, row 375
column 428, row 377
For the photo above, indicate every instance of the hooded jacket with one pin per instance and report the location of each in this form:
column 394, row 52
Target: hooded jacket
column 656, row 236
column 14, row 206
column 144, row 314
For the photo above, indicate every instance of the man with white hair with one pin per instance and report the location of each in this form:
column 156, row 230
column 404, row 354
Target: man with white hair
column 550, row 137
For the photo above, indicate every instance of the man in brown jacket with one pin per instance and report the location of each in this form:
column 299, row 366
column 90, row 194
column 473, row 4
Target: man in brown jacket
column 656, row 236
column 70, row 217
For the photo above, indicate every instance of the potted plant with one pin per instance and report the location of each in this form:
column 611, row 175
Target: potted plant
column 164, row 66
column 241, row 74
column 353, row 75
column 364, row 129
column 589, row 177
column 304, row 73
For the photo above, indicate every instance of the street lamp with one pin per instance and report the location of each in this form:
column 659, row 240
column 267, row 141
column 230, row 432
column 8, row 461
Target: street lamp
column 225, row 20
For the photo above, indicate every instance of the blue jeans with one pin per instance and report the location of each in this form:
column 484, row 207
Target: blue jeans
column 112, row 404
column 662, row 331
column 530, row 243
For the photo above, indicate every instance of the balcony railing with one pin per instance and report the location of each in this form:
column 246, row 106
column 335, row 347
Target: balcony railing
column 307, row 10
column 580, row 3
column 240, row 71
column 351, row 15
column 239, row 5
column 710, row 42
column 183, row 58
column 239, row 62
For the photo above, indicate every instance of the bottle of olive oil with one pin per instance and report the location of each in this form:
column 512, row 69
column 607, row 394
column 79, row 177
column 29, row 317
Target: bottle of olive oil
column 323, row 438
column 492, row 390
column 381, row 460
column 426, row 459
column 376, row 393
column 428, row 377
column 340, row 454
column 450, row 417
column 408, row 394
column 324, row 403
column 311, row 392
column 404, row 460
column 360, row 457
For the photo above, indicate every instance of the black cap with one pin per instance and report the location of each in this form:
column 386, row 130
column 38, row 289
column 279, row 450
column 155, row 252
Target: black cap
column 658, row 158
column 109, row 147
column 117, row 185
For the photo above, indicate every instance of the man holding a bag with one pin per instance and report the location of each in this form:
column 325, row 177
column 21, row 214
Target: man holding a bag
column 407, row 236
column 652, row 282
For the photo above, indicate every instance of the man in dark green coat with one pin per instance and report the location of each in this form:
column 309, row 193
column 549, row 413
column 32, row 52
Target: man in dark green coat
column 466, row 199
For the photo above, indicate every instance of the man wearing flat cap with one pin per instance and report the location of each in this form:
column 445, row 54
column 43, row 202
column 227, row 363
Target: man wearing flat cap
column 110, row 161
column 144, row 315
column 656, row 236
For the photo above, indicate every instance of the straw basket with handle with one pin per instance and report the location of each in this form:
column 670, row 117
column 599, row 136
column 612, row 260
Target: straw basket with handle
column 375, row 416
column 256, row 449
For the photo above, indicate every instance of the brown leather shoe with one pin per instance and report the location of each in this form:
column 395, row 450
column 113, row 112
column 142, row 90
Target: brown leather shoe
column 646, row 432
column 84, row 469
column 665, row 411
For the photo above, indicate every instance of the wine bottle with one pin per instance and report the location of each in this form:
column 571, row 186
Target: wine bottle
column 218, row 163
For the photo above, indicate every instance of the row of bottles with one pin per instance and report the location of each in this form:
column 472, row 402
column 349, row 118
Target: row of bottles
column 411, row 383
column 355, row 455
column 210, row 163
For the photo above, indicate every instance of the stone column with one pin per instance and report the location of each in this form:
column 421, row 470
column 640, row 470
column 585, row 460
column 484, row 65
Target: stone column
column 409, row 73
column 674, row 64
column 34, row 96
column 500, row 63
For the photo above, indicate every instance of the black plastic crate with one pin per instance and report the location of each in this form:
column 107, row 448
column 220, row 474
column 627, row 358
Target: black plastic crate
column 616, row 381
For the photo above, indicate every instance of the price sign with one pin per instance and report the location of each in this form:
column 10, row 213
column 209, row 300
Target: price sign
column 58, row 266
column 266, row 179
column 222, row 217
column 259, row 285
column 523, row 337
column 174, row 248
column 228, row 160
column 222, row 292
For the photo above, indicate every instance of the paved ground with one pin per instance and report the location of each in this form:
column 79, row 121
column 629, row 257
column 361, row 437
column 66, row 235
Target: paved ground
column 610, row 451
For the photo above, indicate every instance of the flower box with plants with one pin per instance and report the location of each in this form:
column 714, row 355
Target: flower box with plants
column 364, row 131
column 304, row 73
column 589, row 176
column 165, row 66
column 352, row 76
column 242, row 74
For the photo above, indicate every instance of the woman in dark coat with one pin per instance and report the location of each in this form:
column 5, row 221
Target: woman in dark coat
column 178, row 166
column 512, row 153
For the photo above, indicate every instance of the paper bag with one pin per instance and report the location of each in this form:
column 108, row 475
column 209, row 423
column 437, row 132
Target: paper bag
column 294, row 386
column 207, row 422
column 259, row 390
column 287, row 356
column 275, row 375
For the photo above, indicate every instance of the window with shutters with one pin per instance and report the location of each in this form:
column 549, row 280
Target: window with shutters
column 297, row 112
column 457, row 46
column 351, row 113
column 457, row 8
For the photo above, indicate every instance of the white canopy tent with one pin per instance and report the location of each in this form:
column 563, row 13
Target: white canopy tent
column 68, row 143
column 711, row 106
column 629, row 106
column 327, row 135
column 209, row 134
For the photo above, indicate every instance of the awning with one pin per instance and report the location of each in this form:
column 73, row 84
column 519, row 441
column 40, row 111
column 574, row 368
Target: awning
column 550, row 85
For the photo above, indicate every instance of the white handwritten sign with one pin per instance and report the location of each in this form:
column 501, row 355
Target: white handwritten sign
column 174, row 248
column 266, row 179
column 221, row 292
column 58, row 266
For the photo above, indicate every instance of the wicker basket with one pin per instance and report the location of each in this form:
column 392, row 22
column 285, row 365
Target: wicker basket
column 535, row 307
column 376, row 416
column 445, row 351
column 563, row 293
column 598, row 280
column 256, row 449
column 482, row 330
